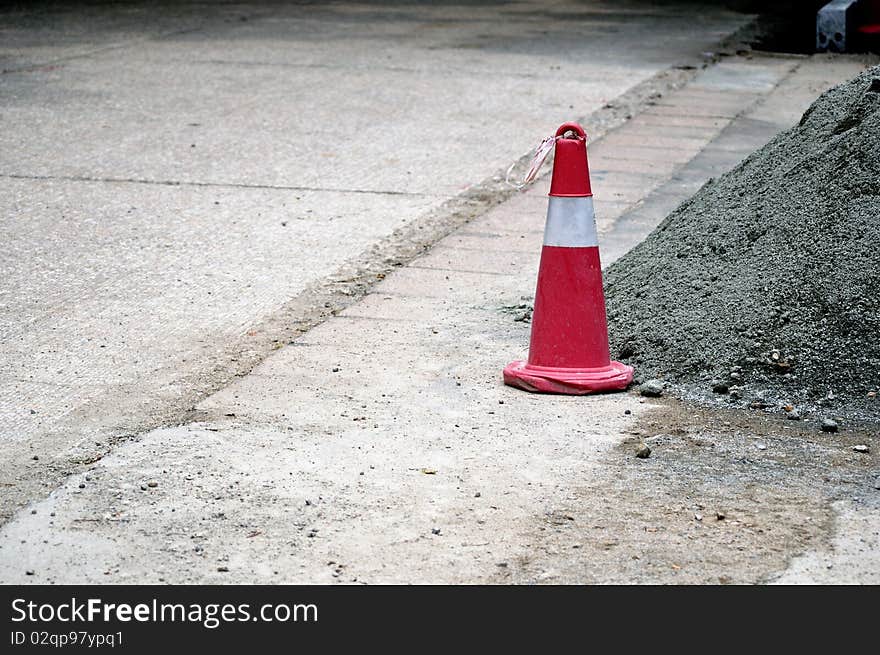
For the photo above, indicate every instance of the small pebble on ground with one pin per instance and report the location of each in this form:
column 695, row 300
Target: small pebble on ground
column 652, row 389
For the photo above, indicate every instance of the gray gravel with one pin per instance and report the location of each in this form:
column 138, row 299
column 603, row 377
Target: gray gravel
column 766, row 280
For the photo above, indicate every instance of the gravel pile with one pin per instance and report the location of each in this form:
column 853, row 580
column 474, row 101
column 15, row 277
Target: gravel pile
column 764, row 288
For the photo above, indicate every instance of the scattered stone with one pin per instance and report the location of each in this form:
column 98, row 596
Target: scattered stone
column 720, row 516
column 877, row 483
column 627, row 412
column 829, row 425
column 336, row 369
column 861, row 448
column 698, row 517
column 643, row 451
column 35, row 457
column 735, row 392
column 435, row 530
column 29, row 572
column 223, row 569
column 760, row 446
column 477, row 495
column 82, row 485
column 521, row 312
column 793, row 415
column 719, row 386
column 652, row 388
column 152, row 484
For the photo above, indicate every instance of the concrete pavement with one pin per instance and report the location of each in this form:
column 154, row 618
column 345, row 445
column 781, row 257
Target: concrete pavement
column 175, row 179
column 380, row 446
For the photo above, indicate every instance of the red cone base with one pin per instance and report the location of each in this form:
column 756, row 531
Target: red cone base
column 570, row 381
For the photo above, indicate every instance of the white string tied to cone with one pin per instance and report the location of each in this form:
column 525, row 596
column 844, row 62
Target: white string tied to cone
column 538, row 159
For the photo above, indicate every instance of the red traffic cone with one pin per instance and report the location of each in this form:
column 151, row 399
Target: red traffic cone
column 569, row 347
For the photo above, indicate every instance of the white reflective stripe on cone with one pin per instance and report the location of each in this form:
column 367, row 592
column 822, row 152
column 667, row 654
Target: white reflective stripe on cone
column 570, row 222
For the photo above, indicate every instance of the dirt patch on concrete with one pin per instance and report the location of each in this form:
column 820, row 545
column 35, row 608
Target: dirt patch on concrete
column 764, row 284
column 725, row 497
